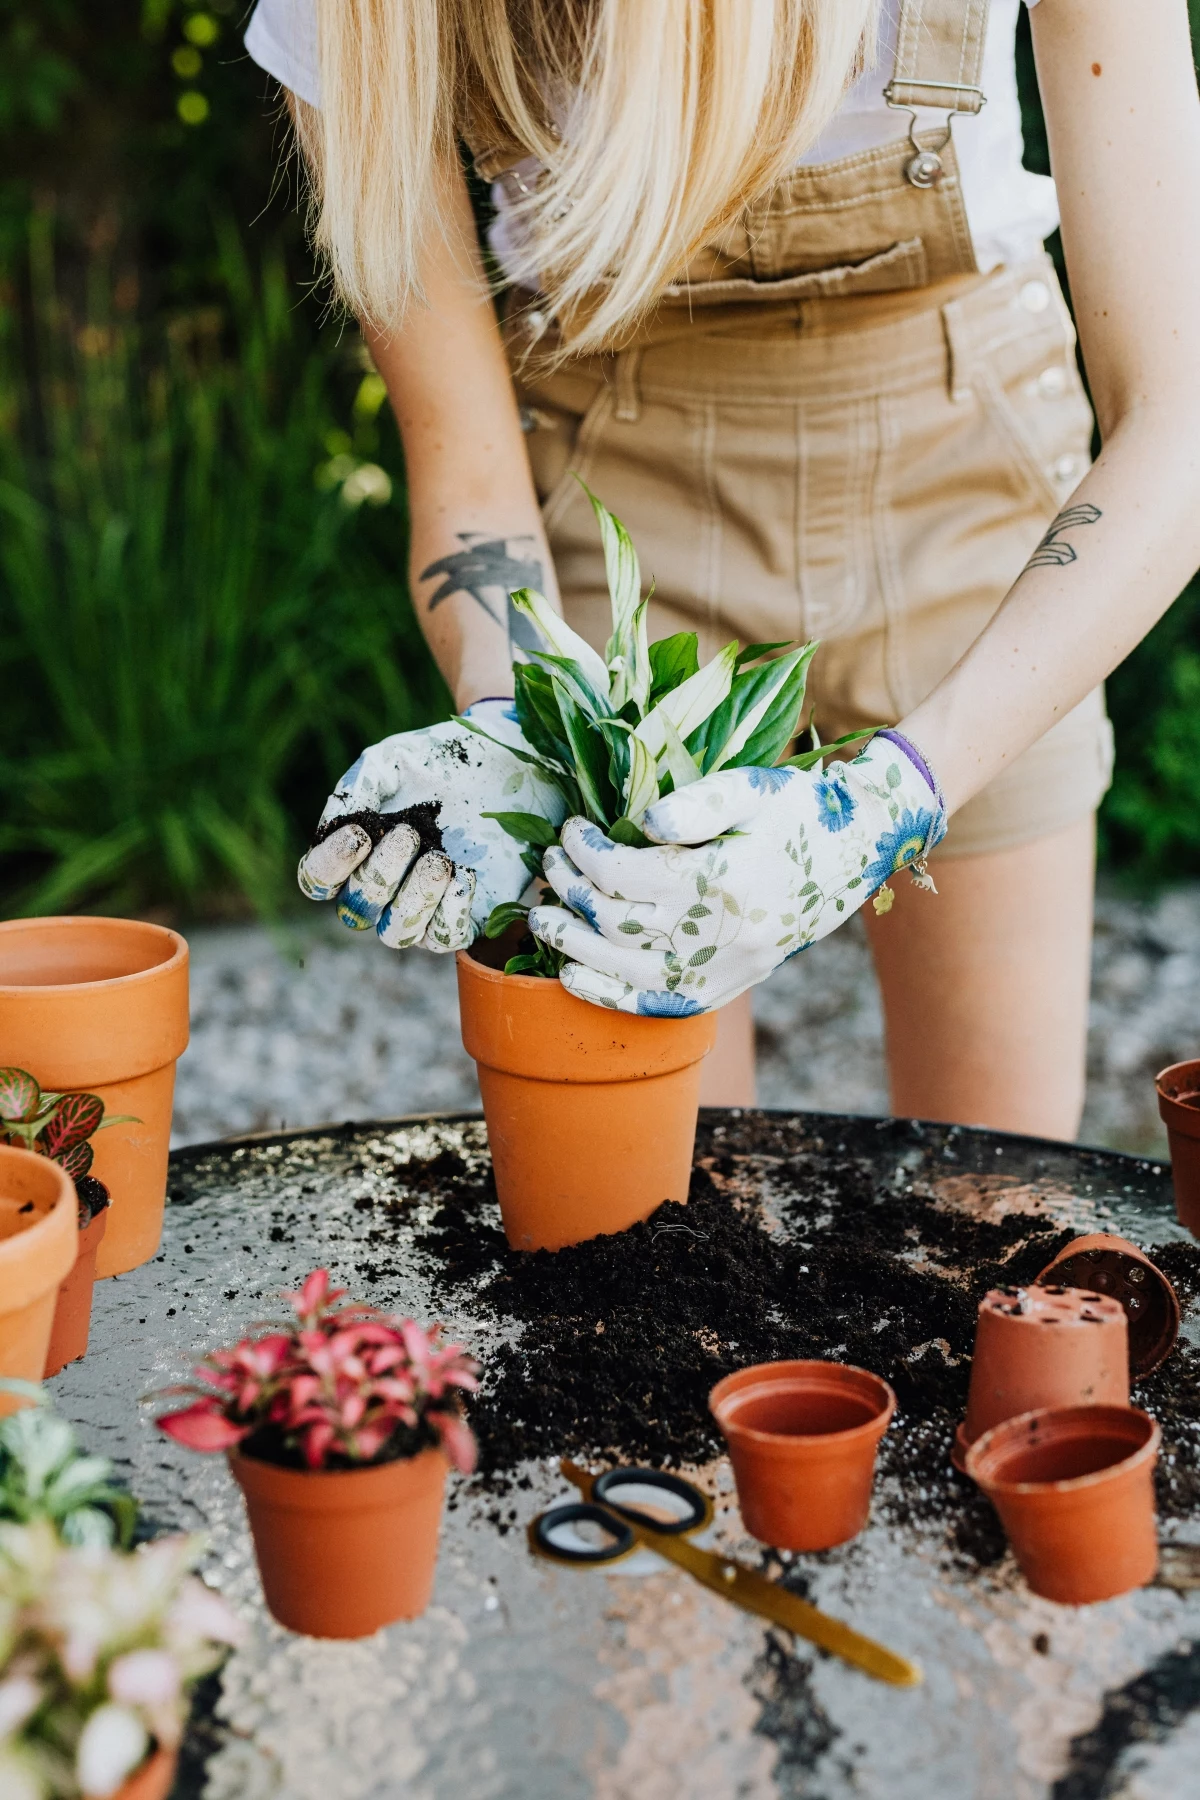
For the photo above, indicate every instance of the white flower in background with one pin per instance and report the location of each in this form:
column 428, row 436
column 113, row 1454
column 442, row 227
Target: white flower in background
column 111, row 1746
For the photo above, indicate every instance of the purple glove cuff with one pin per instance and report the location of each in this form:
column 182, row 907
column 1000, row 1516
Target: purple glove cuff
column 905, row 744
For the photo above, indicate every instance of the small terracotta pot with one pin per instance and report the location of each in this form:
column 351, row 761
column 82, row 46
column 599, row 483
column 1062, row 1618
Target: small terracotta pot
column 1043, row 1346
column 39, row 1239
column 101, row 1006
column 153, row 1781
column 1074, row 1487
column 73, row 1309
column 1113, row 1266
column 591, row 1114
column 802, row 1439
column 342, row 1552
column 1179, row 1109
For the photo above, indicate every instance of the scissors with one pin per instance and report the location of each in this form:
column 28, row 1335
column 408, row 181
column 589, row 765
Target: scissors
column 650, row 1509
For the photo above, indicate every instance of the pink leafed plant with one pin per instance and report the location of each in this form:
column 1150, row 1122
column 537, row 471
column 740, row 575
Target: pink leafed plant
column 347, row 1384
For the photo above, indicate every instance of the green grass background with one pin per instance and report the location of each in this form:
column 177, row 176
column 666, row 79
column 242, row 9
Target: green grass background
column 203, row 612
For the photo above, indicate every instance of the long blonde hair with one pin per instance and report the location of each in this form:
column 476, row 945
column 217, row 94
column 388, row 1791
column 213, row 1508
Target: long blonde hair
column 654, row 121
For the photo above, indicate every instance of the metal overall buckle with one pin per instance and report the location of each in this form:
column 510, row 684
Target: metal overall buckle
column 925, row 169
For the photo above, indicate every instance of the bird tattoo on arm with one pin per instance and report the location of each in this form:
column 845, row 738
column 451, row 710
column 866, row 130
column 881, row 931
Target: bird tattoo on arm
column 484, row 564
column 1054, row 552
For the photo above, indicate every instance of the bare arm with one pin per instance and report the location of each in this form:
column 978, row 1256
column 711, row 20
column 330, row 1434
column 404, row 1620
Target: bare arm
column 476, row 529
column 1124, row 125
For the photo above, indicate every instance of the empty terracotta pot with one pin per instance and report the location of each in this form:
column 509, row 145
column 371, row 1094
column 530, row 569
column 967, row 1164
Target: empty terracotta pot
column 1113, row 1266
column 342, row 1552
column 39, row 1238
column 591, row 1114
column 101, row 1005
column 802, row 1439
column 73, row 1309
column 1043, row 1346
column 1179, row 1108
column 1074, row 1487
column 153, row 1781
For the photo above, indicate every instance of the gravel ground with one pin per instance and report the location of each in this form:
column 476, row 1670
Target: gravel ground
column 319, row 1024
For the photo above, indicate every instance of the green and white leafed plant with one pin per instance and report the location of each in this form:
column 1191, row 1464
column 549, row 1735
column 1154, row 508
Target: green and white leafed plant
column 617, row 732
column 45, row 1475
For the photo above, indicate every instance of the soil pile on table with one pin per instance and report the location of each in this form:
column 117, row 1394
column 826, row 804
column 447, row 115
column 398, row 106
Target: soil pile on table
column 785, row 1249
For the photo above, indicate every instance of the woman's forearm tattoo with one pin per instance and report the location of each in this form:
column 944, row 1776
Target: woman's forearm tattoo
column 484, row 566
column 1054, row 552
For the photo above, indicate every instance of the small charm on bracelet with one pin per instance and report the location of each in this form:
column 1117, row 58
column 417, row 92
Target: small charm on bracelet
column 921, row 877
column 883, row 901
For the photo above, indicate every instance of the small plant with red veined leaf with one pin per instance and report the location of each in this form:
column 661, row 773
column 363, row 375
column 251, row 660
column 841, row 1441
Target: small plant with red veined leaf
column 58, row 1126
column 346, row 1385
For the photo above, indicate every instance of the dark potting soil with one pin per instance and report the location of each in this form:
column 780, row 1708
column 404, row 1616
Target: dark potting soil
column 782, row 1251
column 422, row 818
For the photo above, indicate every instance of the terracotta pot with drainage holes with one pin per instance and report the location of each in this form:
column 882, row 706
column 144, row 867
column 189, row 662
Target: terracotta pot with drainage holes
column 591, row 1114
column 1179, row 1108
column 1074, row 1488
column 802, row 1439
column 1039, row 1347
column 1113, row 1266
column 39, row 1238
column 101, row 1006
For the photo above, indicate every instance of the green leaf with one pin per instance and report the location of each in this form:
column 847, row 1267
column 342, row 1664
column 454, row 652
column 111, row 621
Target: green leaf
column 527, row 828
column 753, row 652
column 777, row 729
column 624, row 831
column 681, row 765
column 524, row 965
column 688, row 706
column 673, row 660
column 641, row 788
column 589, row 753
column 808, row 759
column 761, row 711
column 504, row 915
column 562, row 640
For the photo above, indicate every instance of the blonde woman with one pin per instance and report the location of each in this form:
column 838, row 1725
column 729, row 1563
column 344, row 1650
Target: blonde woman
column 776, row 290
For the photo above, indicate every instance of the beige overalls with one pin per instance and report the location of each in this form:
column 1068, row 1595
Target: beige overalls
column 836, row 427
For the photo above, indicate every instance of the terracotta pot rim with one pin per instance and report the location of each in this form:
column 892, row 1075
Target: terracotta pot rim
column 534, row 982
column 36, row 1241
column 774, row 1375
column 1187, row 1062
column 327, row 1489
column 1146, row 1358
column 13, row 989
column 1146, row 1451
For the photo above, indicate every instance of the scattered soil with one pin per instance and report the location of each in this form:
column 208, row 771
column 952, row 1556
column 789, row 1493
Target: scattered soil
column 422, row 818
column 783, row 1250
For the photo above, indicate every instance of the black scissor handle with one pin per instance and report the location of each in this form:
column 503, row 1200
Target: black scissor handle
column 576, row 1512
column 606, row 1486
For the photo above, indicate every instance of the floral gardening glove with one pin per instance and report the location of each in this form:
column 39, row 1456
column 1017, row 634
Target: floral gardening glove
column 782, row 857
column 432, row 874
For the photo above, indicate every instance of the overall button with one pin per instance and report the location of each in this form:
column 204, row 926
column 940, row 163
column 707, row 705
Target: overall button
column 924, row 170
column 1034, row 296
column 1052, row 382
column 1066, row 468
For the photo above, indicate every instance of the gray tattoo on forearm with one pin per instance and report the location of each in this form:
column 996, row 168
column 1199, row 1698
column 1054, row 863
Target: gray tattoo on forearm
column 485, row 564
column 1054, row 552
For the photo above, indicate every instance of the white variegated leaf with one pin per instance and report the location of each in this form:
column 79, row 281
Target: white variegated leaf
column 682, row 764
column 641, row 789
column 561, row 639
column 688, row 705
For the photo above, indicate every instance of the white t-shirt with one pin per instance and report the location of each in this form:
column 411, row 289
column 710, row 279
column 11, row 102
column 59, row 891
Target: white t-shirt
column 1009, row 209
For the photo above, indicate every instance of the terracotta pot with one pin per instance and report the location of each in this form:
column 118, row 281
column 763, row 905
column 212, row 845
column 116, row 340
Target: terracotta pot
column 39, row 1238
column 101, row 1005
column 591, row 1114
column 1074, row 1487
column 342, row 1552
column 1179, row 1109
column 802, row 1439
column 1113, row 1266
column 1043, row 1346
column 153, row 1781
column 73, row 1309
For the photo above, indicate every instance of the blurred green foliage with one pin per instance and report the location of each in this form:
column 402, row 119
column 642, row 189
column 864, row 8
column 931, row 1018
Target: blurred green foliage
column 201, row 566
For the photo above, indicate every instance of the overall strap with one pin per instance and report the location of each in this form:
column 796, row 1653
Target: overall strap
column 939, row 55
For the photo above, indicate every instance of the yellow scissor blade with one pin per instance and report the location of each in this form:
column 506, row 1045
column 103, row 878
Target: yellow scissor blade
column 746, row 1588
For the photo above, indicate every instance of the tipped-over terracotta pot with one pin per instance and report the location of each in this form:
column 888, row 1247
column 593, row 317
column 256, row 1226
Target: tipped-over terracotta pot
column 1043, row 1346
column 343, row 1551
column 153, row 1781
column 802, row 1439
column 1179, row 1108
column 101, row 1006
column 1113, row 1266
column 1074, row 1487
column 73, row 1309
column 591, row 1114
column 39, row 1238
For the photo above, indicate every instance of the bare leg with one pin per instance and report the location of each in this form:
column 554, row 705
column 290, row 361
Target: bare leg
column 727, row 1072
column 985, row 986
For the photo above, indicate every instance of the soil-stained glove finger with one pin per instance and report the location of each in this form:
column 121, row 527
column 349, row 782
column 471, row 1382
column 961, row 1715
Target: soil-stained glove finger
column 450, row 927
column 615, row 918
column 623, row 959
column 403, row 923
column 722, row 802
column 325, row 867
column 616, row 869
column 621, row 996
column 374, row 883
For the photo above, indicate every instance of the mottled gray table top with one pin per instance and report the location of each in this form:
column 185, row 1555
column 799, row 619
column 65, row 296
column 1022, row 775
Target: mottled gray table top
column 524, row 1679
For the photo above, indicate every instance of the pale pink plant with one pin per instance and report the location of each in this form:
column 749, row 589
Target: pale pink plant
column 347, row 1384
